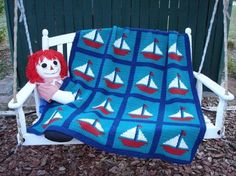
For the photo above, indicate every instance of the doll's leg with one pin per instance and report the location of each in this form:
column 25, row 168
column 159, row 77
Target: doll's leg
column 57, row 136
column 63, row 97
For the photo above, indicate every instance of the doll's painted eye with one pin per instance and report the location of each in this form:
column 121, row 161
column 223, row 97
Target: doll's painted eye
column 55, row 62
column 44, row 65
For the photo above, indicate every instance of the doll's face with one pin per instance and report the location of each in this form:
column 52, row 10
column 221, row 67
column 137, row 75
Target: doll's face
column 48, row 68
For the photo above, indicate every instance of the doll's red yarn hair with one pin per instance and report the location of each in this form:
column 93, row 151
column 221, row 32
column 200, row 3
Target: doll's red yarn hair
column 37, row 57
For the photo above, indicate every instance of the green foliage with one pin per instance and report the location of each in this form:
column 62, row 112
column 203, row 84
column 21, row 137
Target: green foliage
column 1, row 7
column 3, row 33
column 231, row 65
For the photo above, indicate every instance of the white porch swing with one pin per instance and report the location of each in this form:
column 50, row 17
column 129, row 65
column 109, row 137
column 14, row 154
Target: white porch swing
column 213, row 130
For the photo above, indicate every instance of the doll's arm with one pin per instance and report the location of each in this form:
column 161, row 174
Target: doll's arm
column 63, row 97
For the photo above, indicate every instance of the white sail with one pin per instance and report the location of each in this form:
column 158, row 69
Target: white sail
column 99, row 38
column 174, row 83
column 153, row 85
column 90, row 72
column 109, row 108
column 125, row 46
column 178, row 114
column 53, row 116
column 90, row 121
column 141, row 136
column 173, row 49
column 102, row 104
column 187, row 114
column 99, row 127
column 144, row 81
column 139, row 112
column 183, row 145
column 182, row 86
column 149, row 48
column 78, row 98
column 111, row 76
column 90, row 35
column 117, row 44
column 81, row 68
column 130, row 134
column 172, row 142
column 118, row 80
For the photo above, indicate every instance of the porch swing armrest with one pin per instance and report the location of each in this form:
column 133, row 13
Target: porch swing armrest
column 22, row 96
column 213, row 86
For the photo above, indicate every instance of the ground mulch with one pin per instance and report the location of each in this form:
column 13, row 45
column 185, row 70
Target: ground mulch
column 214, row 157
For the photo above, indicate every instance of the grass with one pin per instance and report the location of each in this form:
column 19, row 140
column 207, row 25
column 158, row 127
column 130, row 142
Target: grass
column 232, row 28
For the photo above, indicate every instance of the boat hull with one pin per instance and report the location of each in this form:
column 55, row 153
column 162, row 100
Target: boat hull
column 146, row 89
column 173, row 150
column 178, row 91
column 103, row 110
column 89, row 128
column 175, row 56
column 113, row 85
column 92, row 43
column 152, row 56
column 82, row 75
column 50, row 122
column 132, row 143
column 182, row 119
column 121, row 52
column 139, row 116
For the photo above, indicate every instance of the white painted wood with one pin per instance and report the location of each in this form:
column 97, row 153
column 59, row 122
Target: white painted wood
column 68, row 48
column 22, row 96
column 61, row 39
column 199, row 88
column 220, row 113
column 22, row 120
column 213, row 86
column 188, row 31
column 45, row 43
column 60, row 48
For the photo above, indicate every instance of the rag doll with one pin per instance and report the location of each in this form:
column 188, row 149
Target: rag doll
column 47, row 69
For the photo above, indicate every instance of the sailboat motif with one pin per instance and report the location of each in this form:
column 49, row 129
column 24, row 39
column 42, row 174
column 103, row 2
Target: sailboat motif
column 141, row 112
column 173, row 53
column 77, row 95
column 181, row 115
column 176, row 86
column 92, row 126
column 54, row 117
column 85, row 71
column 113, row 80
column 93, row 39
column 176, row 145
column 133, row 137
column 120, row 46
column 105, row 107
column 152, row 51
column 147, row 84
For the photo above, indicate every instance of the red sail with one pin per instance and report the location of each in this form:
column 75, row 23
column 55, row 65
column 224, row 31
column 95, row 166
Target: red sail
column 112, row 85
column 50, row 121
column 178, row 91
column 182, row 119
column 103, row 110
column 175, row 56
column 119, row 51
column 152, row 56
column 146, row 89
column 132, row 143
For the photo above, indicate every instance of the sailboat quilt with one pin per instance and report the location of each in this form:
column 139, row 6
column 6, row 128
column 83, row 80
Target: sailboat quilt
column 135, row 95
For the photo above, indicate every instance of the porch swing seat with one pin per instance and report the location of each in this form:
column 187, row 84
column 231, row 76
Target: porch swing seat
column 144, row 77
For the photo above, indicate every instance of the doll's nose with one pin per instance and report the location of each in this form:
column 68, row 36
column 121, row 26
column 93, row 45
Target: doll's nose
column 51, row 68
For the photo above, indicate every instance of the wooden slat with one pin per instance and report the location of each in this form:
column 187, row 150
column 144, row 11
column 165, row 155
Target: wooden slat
column 126, row 12
column 68, row 50
column 116, row 12
column 59, row 17
column 154, row 13
column 77, row 14
column 163, row 14
column 98, row 11
column 87, row 14
column 173, row 14
column 106, row 13
column 68, row 11
column 183, row 15
column 60, row 48
column 144, row 14
column 135, row 5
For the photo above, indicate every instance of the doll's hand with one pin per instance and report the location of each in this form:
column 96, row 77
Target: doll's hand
column 63, row 97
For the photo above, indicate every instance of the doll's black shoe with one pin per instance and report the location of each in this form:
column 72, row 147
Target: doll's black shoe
column 57, row 136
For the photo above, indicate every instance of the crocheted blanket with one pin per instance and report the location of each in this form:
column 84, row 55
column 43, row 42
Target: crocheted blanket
column 135, row 95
